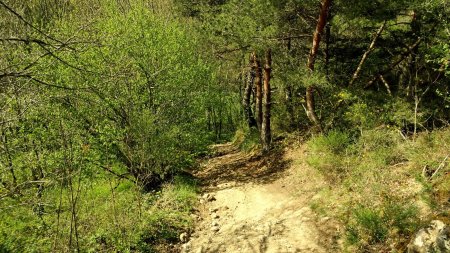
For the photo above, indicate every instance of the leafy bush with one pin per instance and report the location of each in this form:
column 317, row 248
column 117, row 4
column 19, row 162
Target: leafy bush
column 369, row 226
column 326, row 151
column 360, row 115
column 109, row 218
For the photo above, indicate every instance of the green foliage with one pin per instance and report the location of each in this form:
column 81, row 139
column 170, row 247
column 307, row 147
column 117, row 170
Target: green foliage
column 112, row 218
column 371, row 226
column 359, row 114
column 338, row 156
column 103, row 99
column 114, row 101
column 426, row 155
column 378, row 182
column 401, row 113
column 326, row 151
column 247, row 139
column 169, row 213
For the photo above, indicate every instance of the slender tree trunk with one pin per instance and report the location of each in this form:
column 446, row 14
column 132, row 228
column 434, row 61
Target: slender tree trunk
column 310, row 107
column 247, row 98
column 258, row 84
column 327, row 50
column 311, row 60
column 220, row 124
column 318, row 33
column 266, row 135
column 327, row 43
column 415, row 29
column 386, row 84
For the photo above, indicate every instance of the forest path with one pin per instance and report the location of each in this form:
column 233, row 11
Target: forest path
column 252, row 203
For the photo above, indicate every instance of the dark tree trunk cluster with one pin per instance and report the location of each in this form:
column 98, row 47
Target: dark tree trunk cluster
column 266, row 135
column 259, row 79
column 246, row 102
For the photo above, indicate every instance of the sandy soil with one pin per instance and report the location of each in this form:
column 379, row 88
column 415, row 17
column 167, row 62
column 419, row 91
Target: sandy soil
column 254, row 203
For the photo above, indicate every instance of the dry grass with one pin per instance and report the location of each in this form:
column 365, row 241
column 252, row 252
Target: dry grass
column 379, row 191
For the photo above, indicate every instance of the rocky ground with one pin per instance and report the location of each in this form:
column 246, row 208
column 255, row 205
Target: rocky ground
column 254, row 203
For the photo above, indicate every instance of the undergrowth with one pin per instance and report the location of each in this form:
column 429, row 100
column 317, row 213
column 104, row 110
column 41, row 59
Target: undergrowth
column 386, row 185
column 112, row 216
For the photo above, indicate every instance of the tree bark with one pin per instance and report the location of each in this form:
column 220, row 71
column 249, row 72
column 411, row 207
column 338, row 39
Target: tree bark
column 247, row 97
column 386, row 84
column 258, row 84
column 318, row 33
column 311, row 60
column 266, row 135
column 310, row 107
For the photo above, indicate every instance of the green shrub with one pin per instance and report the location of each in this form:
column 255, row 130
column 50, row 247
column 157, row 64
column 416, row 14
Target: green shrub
column 334, row 141
column 112, row 216
column 360, row 115
column 368, row 227
column 374, row 225
column 326, row 151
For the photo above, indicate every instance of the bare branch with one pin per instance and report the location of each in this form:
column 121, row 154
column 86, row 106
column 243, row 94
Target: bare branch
column 369, row 50
column 394, row 64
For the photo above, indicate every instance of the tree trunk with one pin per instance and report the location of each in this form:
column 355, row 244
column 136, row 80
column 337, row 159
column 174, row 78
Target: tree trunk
column 311, row 60
column 310, row 107
column 266, row 135
column 318, row 33
column 258, row 84
column 247, row 96
column 327, row 51
column 327, row 43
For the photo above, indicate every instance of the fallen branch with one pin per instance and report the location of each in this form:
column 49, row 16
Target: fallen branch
column 369, row 50
column 386, row 84
column 394, row 64
column 123, row 176
column 442, row 165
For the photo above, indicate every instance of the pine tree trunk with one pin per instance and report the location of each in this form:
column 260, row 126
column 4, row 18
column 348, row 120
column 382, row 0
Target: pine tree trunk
column 318, row 33
column 311, row 60
column 310, row 107
column 258, row 84
column 266, row 135
column 247, row 96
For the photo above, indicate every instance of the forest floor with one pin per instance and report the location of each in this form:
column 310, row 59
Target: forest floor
column 254, row 203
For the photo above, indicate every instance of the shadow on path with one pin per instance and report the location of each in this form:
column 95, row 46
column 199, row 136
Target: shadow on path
column 231, row 166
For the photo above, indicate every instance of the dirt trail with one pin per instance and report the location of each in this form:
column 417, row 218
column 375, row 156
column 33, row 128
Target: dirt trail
column 258, row 204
